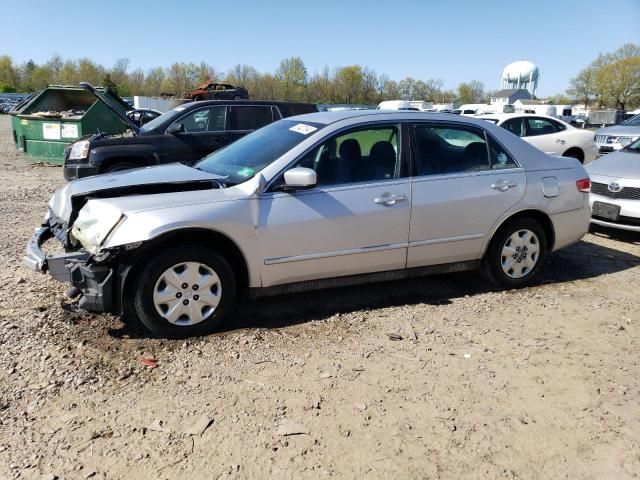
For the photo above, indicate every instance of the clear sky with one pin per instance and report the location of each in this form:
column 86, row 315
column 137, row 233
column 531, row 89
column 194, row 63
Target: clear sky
column 455, row 40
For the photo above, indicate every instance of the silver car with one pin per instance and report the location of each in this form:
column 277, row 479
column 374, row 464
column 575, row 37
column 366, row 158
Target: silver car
column 320, row 200
column 615, row 189
column 611, row 139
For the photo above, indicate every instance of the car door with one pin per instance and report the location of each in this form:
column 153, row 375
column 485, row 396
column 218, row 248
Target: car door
column 545, row 134
column 354, row 221
column 463, row 182
column 200, row 132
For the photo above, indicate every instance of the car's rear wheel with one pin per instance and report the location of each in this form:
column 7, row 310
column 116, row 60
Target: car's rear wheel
column 574, row 153
column 516, row 253
column 184, row 292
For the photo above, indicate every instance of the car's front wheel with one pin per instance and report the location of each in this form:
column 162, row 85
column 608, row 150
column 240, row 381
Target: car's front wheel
column 120, row 166
column 184, row 292
column 515, row 254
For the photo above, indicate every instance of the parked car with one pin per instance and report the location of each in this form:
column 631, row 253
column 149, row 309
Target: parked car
column 615, row 189
column 142, row 116
column 324, row 199
column 217, row 91
column 549, row 134
column 610, row 139
column 185, row 134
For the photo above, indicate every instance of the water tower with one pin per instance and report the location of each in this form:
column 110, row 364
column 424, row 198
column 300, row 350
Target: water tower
column 521, row 74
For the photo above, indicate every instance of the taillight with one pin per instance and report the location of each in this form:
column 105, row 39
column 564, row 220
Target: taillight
column 583, row 185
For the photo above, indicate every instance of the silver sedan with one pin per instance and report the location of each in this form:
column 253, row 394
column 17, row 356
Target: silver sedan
column 615, row 192
column 320, row 200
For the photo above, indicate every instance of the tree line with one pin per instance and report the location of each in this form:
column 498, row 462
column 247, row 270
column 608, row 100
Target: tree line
column 611, row 80
column 291, row 81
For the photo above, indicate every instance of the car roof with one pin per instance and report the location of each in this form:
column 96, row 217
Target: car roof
column 506, row 116
column 201, row 103
column 360, row 116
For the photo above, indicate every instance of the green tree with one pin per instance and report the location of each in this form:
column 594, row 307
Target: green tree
column 471, row 92
column 583, row 86
column 292, row 72
column 54, row 65
column 7, row 72
column 349, row 81
column 109, row 84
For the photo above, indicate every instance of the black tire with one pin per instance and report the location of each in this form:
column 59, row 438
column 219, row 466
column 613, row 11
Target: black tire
column 143, row 303
column 574, row 153
column 120, row 166
column 492, row 267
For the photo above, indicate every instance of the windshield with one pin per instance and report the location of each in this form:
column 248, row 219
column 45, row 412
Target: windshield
column 492, row 120
column 241, row 160
column 168, row 116
column 634, row 147
column 633, row 121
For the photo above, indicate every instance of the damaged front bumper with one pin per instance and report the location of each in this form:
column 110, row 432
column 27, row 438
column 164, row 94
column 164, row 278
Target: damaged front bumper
column 94, row 282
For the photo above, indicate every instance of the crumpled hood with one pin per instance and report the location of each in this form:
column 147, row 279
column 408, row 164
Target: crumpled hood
column 618, row 164
column 169, row 178
column 620, row 131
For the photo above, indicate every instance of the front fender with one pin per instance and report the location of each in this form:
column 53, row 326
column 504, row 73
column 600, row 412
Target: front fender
column 232, row 219
column 146, row 153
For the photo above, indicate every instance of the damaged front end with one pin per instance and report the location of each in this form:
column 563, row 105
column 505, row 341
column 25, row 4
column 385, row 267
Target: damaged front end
column 90, row 271
column 85, row 215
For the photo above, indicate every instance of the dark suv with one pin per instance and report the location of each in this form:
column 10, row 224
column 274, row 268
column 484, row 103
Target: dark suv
column 185, row 134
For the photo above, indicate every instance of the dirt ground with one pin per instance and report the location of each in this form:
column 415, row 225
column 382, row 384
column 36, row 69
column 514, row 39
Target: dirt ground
column 539, row 383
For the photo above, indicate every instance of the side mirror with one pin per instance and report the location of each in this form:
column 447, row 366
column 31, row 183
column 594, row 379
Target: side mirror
column 300, row 178
column 175, row 128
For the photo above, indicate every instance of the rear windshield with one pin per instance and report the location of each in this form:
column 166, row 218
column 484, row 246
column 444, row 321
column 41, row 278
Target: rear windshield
column 241, row 160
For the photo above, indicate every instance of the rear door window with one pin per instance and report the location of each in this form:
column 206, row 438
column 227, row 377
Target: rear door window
column 450, row 149
column 515, row 126
column 540, row 126
column 249, row 117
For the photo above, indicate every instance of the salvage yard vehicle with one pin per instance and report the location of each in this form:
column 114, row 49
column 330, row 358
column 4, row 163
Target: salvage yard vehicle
column 185, row 134
column 615, row 189
column 610, row 139
column 549, row 134
column 217, row 91
column 318, row 200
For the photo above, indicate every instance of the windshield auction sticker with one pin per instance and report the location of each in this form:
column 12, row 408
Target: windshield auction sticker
column 303, row 129
column 246, row 172
column 51, row 131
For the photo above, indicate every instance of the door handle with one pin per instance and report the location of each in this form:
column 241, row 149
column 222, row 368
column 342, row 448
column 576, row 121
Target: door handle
column 503, row 185
column 389, row 199
column 559, row 140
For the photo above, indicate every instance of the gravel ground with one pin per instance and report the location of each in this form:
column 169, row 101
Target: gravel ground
column 437, row 378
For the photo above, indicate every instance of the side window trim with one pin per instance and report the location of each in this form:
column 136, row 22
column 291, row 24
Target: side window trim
column 403, row 169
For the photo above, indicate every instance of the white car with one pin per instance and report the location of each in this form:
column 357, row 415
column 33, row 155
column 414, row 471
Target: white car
column 615, row 189
column 549, row 134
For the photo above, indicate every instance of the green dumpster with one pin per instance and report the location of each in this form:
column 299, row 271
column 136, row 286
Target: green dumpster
column 58, row 116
